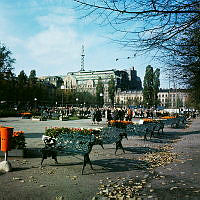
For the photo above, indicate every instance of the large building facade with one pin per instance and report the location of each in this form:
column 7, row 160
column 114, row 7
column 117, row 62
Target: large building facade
column 86, row 81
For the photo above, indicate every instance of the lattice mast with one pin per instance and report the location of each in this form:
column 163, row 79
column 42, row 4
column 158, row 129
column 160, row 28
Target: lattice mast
column 82, row 58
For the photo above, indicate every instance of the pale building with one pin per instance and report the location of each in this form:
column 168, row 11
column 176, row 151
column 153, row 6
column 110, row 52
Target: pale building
column 129, row 97
column 173, row 98
column 168, row 98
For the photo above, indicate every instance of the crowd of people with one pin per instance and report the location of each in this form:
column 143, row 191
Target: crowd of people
column 96, row 114
column 110, row 113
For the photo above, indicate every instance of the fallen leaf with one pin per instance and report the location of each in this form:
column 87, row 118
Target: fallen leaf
column 42, row 186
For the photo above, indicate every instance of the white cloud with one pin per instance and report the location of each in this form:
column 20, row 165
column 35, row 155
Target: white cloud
column 56, row 19
column 54, row 45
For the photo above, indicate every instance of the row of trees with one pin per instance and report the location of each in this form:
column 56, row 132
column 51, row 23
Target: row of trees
column 27, row 92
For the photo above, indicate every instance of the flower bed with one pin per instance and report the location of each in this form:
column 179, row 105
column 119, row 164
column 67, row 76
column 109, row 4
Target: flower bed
column 39, row 118
column 119, row 123
column 168, row 117
column 26, row 115
column 146, row 120
column 54, row 132
column 17, row 140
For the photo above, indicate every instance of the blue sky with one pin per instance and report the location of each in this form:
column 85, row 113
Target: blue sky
column 48, row 35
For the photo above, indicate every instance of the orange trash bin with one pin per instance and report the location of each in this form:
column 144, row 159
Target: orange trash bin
column 0, row 133
column 6, row 134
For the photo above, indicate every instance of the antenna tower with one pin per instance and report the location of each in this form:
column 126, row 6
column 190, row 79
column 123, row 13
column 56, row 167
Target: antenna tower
column 82, row 58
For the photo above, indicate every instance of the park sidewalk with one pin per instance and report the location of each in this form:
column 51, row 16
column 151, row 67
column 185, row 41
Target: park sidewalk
column 178, row 180
column 181, row 180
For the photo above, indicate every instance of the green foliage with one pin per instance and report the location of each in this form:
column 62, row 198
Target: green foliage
column 32, row 77
column 156, row 85
column 22, row 78
column 111, row 89
column 6, row 61
column 151, row 87
column 8, row 113
column 148, row 94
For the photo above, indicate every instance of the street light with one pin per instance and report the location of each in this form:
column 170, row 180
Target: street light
column 101, row 99
column 76, row 102
column 62, row 88
column 35, row 99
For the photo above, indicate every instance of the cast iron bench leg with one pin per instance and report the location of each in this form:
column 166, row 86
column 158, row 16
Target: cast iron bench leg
column 42, row 160
column 86, row 160
column 54, row 156
column 151, row 134
column 44, row 155
column 48, row 153
column 119, row 146
column 145, row 137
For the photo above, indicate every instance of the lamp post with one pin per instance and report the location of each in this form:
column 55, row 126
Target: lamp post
column 101, row 99
column 76, row 102
column 62, row 88
column 35, row 99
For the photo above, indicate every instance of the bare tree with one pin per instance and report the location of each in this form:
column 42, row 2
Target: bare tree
column 147, row 24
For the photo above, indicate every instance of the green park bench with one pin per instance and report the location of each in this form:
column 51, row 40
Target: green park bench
column 137, row 130
column 110, row 135
column 68, row 144
column 175, row 122
column 146, row 129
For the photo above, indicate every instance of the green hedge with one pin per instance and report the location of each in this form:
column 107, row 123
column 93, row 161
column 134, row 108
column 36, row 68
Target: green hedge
column 9, row 113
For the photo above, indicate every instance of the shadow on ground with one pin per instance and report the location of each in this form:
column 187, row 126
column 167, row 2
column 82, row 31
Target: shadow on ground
column 141, row 150
column 19, row 169
column 110, row 165
column 33, row 135
column 169, row 137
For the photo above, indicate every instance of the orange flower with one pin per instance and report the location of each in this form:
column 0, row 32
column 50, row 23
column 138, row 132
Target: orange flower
column 168, row 117
column 17, row 133
column 26, row 113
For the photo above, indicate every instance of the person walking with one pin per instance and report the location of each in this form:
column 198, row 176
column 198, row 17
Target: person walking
column 98, row 115
column 93, row 115
column 129, row 113
column 109, row 116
